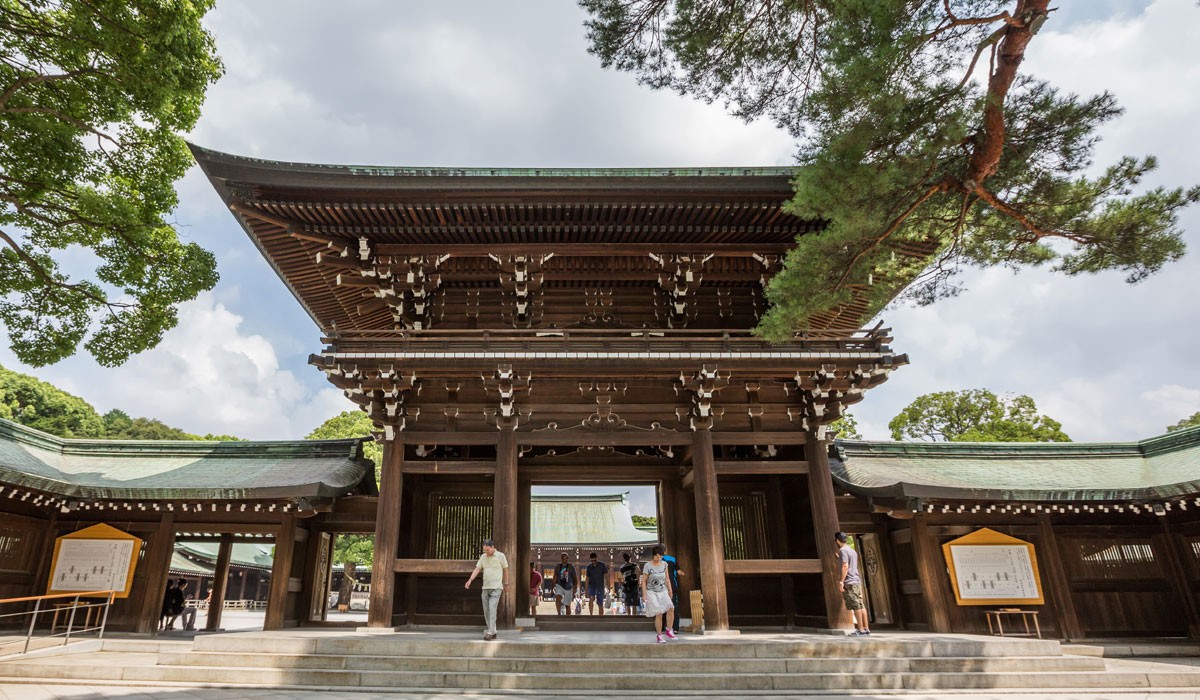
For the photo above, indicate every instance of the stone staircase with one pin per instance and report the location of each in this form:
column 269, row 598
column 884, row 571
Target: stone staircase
column 555, row 663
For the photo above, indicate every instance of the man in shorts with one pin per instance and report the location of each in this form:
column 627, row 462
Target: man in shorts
column 597, row 582
column 566, row 585
column 850, row 584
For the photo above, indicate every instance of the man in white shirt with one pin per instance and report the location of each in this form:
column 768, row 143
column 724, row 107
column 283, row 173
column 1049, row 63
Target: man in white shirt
column 494, row 566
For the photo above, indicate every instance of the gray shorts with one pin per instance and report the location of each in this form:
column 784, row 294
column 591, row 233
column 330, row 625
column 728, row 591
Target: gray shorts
column 565, row 593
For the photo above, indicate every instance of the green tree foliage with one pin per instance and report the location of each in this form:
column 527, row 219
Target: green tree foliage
column 93, row 96
column 351, row 424
column 1188, row 422
column 645, row 521
column 845, row 428
column 351, row 551
column 922, row 145
column 975, row 415
column 37, row 404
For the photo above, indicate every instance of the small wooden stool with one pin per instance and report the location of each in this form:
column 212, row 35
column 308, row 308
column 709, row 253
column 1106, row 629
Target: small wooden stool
column 65, row 609
column 697, row 600
column 998, row 616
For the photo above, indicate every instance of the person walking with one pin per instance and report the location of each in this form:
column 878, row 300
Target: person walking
column 167, row 613
column 188, row 612
column 535, row 588
column 566, row 585
column 674, row 573
column 656, row 596
column 850, row 584
column 494, row 567
column 629, row 583
column 597, row 582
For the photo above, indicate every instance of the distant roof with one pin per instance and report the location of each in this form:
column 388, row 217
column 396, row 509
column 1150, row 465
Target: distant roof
column 588, row 519
column 169, row 469
column 1160, row 468
column 251, row 554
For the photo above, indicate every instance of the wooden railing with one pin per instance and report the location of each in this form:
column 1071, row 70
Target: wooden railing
column 602, row 340
column 63, row 613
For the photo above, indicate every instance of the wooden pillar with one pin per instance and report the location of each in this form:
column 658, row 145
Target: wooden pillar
column 504, row 521
column 677, row 518
column 41, row 570
column 708, row 532
column 931, row 569
column 212, row 620
column 416, row 545
column 825, row 527
column 155, row 563
column 281, row 573
column 1057, row 581
column 387, row 534
column 1177, row 576
column 781, row 546
column 524, row 545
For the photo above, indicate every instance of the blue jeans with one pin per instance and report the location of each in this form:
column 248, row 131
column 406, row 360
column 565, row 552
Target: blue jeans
column 491, row 602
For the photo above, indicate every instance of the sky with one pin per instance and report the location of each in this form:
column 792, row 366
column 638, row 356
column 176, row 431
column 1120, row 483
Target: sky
column 511, row 84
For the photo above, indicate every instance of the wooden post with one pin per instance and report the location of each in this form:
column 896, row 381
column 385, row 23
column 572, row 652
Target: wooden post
column 387, row 534
column 281, row 573
column 708, row 532
column 41, row 570
column 212, row 620
column 504, row 520
column 417, row 545
column 825, row 527
column 780, row 545
column 1177, row 576
column 1058, row 582
column 931, row 569
column 677, row 518
column 156, row 563
column 524, row 552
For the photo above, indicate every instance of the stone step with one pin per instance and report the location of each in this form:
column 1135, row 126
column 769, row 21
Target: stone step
column 688, row 647
column 545, row 665
column 576, row 682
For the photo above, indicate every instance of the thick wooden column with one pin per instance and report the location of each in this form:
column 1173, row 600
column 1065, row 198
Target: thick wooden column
column 708, row 532
column 212, row 621
column 781, row 546
column 281, row 573
column 677, row 519
column 520, row 579
column 41, row 570
column 1057, row 581
column 931, row 569
column 504, row 520
column 1177, row 576
column 825, row 527
column 155, row 563
column 387, row 534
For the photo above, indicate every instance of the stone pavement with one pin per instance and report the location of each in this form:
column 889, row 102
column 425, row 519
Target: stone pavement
column 71, row 692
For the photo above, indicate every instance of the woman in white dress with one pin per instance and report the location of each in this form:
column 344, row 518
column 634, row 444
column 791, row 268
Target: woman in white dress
column 656, row 596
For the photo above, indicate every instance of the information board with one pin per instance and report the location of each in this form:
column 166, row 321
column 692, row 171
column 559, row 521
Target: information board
column 990, row 568
column 96, row 558
column 92, row 565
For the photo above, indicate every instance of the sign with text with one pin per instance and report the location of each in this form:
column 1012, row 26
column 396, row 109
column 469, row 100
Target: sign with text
column 98, row 558
column 990, row 568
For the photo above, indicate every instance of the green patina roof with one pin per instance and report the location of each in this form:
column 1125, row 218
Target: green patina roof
column 182, row 565
column 152, row 470
column 252, row 554
column 591, row 519
column 208, row 155
column 1163, row 467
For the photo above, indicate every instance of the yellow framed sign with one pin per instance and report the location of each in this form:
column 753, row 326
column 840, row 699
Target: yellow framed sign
column 96, row 558
column 991, row 568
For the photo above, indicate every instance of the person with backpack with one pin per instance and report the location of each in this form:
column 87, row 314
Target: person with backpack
column 674, row 573
column 566, row 585
column 629, row 584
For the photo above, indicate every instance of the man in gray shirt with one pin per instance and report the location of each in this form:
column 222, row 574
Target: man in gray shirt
column 850, row 584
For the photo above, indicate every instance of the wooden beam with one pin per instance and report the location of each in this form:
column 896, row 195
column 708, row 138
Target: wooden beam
column 438, row 466
column 212, row 619
column 931, row 570
column 708, row 532
column 427, row 437
column 434, row 566
column 504, row 521
column 155, row 563
column 746, row 567
column 728, row 467
column 1059, row 586
column 825, row 526
column 281, row 574
column 583, row 438
column 593, row 250
column 387, row 533
column 759, row 438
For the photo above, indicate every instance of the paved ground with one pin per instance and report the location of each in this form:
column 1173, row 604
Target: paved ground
column 52, row 692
